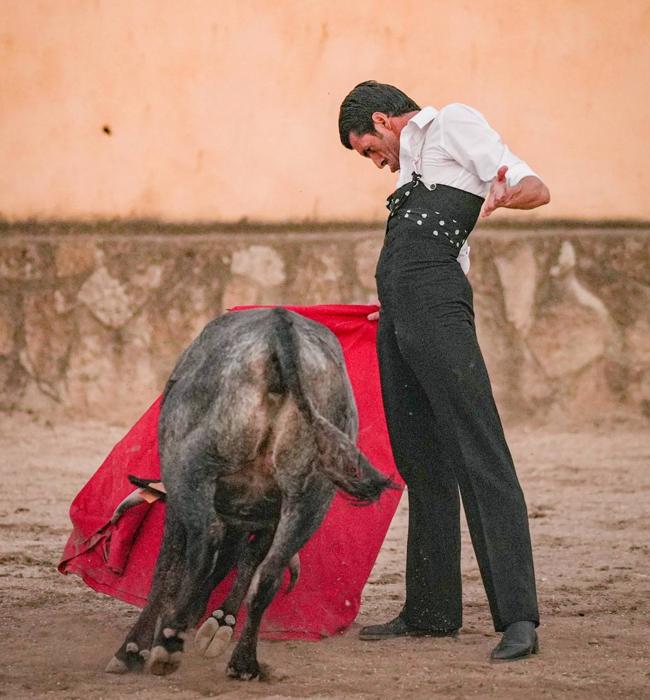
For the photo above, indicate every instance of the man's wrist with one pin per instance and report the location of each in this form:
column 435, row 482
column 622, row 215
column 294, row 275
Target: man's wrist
column 529, row 193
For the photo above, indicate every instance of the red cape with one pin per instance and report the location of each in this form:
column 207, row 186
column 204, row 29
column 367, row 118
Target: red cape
column 119, row 559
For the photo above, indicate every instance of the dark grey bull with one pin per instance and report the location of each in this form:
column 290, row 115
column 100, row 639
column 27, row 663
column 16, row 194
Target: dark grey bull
column 256, row 431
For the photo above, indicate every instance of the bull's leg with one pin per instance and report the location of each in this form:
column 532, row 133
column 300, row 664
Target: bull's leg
column 207, row 564
column 135, row 649
column 300, row 516
column 201, row 554
column 215, row 633
column 190, row 502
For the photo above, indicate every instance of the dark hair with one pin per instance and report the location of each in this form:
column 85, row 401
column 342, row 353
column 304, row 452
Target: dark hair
column 366, row 98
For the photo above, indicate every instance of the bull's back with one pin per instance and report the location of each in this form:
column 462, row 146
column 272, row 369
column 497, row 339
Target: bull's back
column 227, row 391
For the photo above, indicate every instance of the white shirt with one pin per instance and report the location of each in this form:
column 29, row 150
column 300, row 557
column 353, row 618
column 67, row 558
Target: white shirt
column 456, row 146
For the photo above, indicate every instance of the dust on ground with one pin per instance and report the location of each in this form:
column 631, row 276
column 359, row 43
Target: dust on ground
column 588, row 495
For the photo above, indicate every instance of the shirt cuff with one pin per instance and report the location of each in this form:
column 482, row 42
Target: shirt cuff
column 517, row 172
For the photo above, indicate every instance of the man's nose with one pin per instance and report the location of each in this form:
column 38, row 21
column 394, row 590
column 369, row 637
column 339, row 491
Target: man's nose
column 378, row 160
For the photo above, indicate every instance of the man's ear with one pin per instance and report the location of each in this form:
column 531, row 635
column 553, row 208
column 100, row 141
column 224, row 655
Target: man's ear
column 381, row 119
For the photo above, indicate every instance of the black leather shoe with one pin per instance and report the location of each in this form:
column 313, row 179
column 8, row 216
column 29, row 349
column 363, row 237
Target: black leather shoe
column 399, row 628
column 518, row 641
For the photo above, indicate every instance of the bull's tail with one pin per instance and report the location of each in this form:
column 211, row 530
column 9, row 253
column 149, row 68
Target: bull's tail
column 339, row 458
column 345, row 466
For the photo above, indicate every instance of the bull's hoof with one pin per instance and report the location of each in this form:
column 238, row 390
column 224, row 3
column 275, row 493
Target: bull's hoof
column 247, row 671
column 128, row 658
column 116, row 666
column 215, row 633
column 242, row 674
column 162, row 662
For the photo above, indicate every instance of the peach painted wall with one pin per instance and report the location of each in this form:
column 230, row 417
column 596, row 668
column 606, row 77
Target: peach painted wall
column 225, row 109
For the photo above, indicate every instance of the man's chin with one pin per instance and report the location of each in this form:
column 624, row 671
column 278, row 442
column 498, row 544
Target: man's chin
column 394, row 168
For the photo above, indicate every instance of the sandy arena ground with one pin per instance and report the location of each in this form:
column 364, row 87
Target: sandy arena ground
column 589, row 502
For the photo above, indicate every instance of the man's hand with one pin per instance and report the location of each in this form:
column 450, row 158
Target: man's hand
column 374, row 316
column 528, row 193
column 499, row 193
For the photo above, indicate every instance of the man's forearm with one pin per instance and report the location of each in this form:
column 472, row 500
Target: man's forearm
column 528, row 193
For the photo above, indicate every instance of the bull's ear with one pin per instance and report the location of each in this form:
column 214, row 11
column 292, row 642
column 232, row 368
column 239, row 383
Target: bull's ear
column 154, row 487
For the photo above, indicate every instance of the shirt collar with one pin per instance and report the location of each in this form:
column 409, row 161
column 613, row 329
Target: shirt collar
column 424, row 117
column 411, row 140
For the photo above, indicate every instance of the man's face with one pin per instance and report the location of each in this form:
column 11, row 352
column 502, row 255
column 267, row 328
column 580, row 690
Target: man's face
column 382, row 146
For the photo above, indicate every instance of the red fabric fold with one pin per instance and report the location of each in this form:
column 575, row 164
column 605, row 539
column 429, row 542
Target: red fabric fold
column 119, row 559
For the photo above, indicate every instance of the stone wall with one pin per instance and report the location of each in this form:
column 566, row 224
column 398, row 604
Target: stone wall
column 92, row 317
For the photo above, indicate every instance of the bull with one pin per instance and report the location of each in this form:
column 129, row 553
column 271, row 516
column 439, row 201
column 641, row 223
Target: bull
column 257, row 430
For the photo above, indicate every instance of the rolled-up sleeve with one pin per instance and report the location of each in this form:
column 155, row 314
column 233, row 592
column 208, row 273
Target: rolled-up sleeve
column 472, row 142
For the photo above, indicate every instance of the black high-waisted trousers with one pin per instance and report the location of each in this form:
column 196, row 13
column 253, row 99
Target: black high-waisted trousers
column 443, row 424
